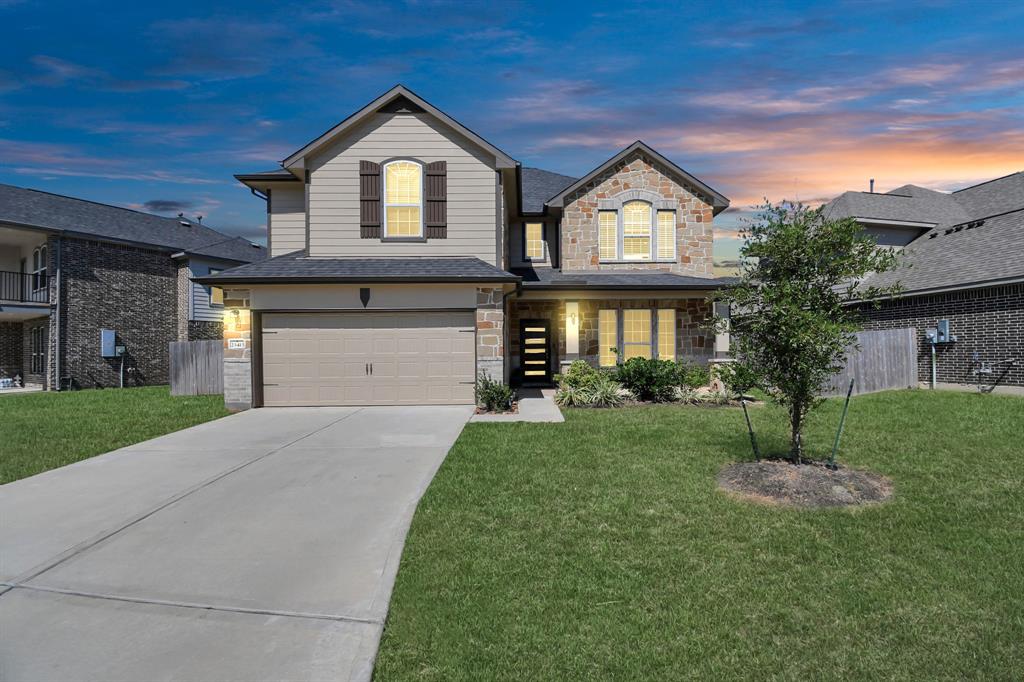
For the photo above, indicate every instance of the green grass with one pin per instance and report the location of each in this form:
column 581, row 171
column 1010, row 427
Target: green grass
column 42, row 431
column 600, row 549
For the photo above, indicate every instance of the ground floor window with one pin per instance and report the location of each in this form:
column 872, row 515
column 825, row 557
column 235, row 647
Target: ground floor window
column 667, row 333
column 608, row 337
column 636, row 333
column 37, row 347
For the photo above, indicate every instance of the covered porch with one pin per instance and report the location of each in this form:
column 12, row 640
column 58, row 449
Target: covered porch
column 550, row 329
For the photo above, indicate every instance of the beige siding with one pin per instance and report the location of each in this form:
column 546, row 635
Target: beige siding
column 334, row 189
column 287, row 220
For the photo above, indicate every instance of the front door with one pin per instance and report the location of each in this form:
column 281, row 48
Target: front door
column 534, row 351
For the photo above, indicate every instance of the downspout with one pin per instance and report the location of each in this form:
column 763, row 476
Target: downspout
column 932, row 344
column 57, row 306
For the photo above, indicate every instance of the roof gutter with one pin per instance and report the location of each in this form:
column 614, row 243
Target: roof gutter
column 354, row 279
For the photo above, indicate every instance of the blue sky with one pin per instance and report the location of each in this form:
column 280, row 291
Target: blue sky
column 156, row 105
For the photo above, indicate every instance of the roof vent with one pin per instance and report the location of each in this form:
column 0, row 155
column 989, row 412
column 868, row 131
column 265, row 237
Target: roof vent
column 185, row 223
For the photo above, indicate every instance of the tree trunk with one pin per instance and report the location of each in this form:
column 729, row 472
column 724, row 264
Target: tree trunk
column 796, row 447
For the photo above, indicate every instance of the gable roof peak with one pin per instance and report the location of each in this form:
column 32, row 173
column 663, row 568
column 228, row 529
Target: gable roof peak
column 719, row 201
column 399, row 91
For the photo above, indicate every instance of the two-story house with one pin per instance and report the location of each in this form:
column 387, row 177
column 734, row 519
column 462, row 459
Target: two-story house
column 408, row 254
column 73, row 271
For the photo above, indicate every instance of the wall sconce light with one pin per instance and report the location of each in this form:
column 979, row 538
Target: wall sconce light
column 572, row 328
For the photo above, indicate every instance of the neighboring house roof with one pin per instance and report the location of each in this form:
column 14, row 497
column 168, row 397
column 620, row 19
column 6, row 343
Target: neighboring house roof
column 399, row 92
column 79, row 217
column 276, row 175
column 976, row 236
column 548, row 278
column 297, row 267
column 536, row 186
column 979, row 252
column 719, row 201
column 909, row 204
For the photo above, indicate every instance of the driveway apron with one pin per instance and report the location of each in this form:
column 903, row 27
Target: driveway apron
column 259, row 546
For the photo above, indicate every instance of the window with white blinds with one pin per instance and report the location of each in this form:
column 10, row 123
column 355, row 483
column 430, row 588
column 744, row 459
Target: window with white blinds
column 608, row 226
column 636, row 230
column 403, row 199
column 666, row 235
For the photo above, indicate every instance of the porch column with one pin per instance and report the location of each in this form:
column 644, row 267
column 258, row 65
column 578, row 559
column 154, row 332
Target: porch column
column 722, row 335
column 572, row 333
column 237, row 351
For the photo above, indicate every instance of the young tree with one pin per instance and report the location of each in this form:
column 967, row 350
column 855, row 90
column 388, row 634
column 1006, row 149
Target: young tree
column 790, row 322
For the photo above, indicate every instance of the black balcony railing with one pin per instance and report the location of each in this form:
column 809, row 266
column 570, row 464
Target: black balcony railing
column 24, row 287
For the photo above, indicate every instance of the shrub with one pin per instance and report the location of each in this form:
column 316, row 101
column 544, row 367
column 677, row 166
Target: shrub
column 737, row 378
column 584, row 386
column 493, row 395
column 604, row 392
column 692, row 375
column 649, row 379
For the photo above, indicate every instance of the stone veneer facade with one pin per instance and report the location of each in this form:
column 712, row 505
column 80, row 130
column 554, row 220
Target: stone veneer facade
column 638, row 178
column 491, row 335
column 693, row 341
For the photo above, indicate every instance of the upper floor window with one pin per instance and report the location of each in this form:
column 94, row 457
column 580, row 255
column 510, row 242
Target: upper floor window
column 403, row 199
column 216, row 293
column 533, row 242
column 637, row 232
column 39, row 268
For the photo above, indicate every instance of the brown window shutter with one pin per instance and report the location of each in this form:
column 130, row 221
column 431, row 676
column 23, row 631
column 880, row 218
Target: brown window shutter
column 369, row 200
column 435, row 182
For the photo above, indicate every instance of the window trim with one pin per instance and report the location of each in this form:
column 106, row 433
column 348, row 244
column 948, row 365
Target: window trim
column 385, row 205
column 543, row 242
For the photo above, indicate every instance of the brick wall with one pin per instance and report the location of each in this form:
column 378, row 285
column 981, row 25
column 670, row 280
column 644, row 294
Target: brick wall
column 989, row 322
column 693, row 341
column 204, row 330
column 183, row 292
column 130, row 290
column 10, row 349
column 579, row 227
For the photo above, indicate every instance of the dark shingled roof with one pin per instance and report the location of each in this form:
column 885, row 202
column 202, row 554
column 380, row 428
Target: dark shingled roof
column 549, row 278
column 35, row 208
column 978, row 236
column 537, row 186
column 297, row 267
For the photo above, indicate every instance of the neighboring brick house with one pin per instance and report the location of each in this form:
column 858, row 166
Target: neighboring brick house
column 963, row 261
column 70, row 268
column 408, row 254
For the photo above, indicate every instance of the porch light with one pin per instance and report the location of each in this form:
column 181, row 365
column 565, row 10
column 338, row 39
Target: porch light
column 572, row 328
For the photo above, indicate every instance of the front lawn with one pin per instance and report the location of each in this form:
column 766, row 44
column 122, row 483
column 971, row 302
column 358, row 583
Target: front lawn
column 42, row 431
column 600, row 549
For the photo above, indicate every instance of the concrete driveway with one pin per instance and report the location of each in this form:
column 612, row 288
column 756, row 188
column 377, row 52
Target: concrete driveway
column 262, row 546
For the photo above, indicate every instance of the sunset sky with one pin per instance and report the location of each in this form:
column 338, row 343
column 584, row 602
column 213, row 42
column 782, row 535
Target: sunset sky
column 155, row 106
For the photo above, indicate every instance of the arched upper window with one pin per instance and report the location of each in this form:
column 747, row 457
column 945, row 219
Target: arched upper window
column 636, row 230
column 403, row 199
column 39, row 267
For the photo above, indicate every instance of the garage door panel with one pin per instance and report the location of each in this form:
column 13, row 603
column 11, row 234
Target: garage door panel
column 321, row 359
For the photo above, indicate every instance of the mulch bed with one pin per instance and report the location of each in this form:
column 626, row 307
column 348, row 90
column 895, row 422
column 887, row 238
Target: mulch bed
column 803, row 485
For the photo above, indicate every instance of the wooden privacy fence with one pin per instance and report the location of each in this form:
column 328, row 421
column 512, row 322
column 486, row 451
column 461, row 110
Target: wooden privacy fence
column 197, row 367
column 887, row 359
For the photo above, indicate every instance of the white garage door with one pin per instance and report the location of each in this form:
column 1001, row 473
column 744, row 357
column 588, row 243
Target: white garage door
column 363, row 358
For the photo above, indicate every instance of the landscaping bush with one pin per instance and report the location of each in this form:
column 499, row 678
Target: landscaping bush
column 737, row 378
column 649, row 379
column 584, row 386
column 493, row 395
column 690, row 375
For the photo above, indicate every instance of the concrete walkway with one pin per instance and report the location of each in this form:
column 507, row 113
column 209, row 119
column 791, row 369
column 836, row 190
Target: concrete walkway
column 262, row 546
column 535, row 405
